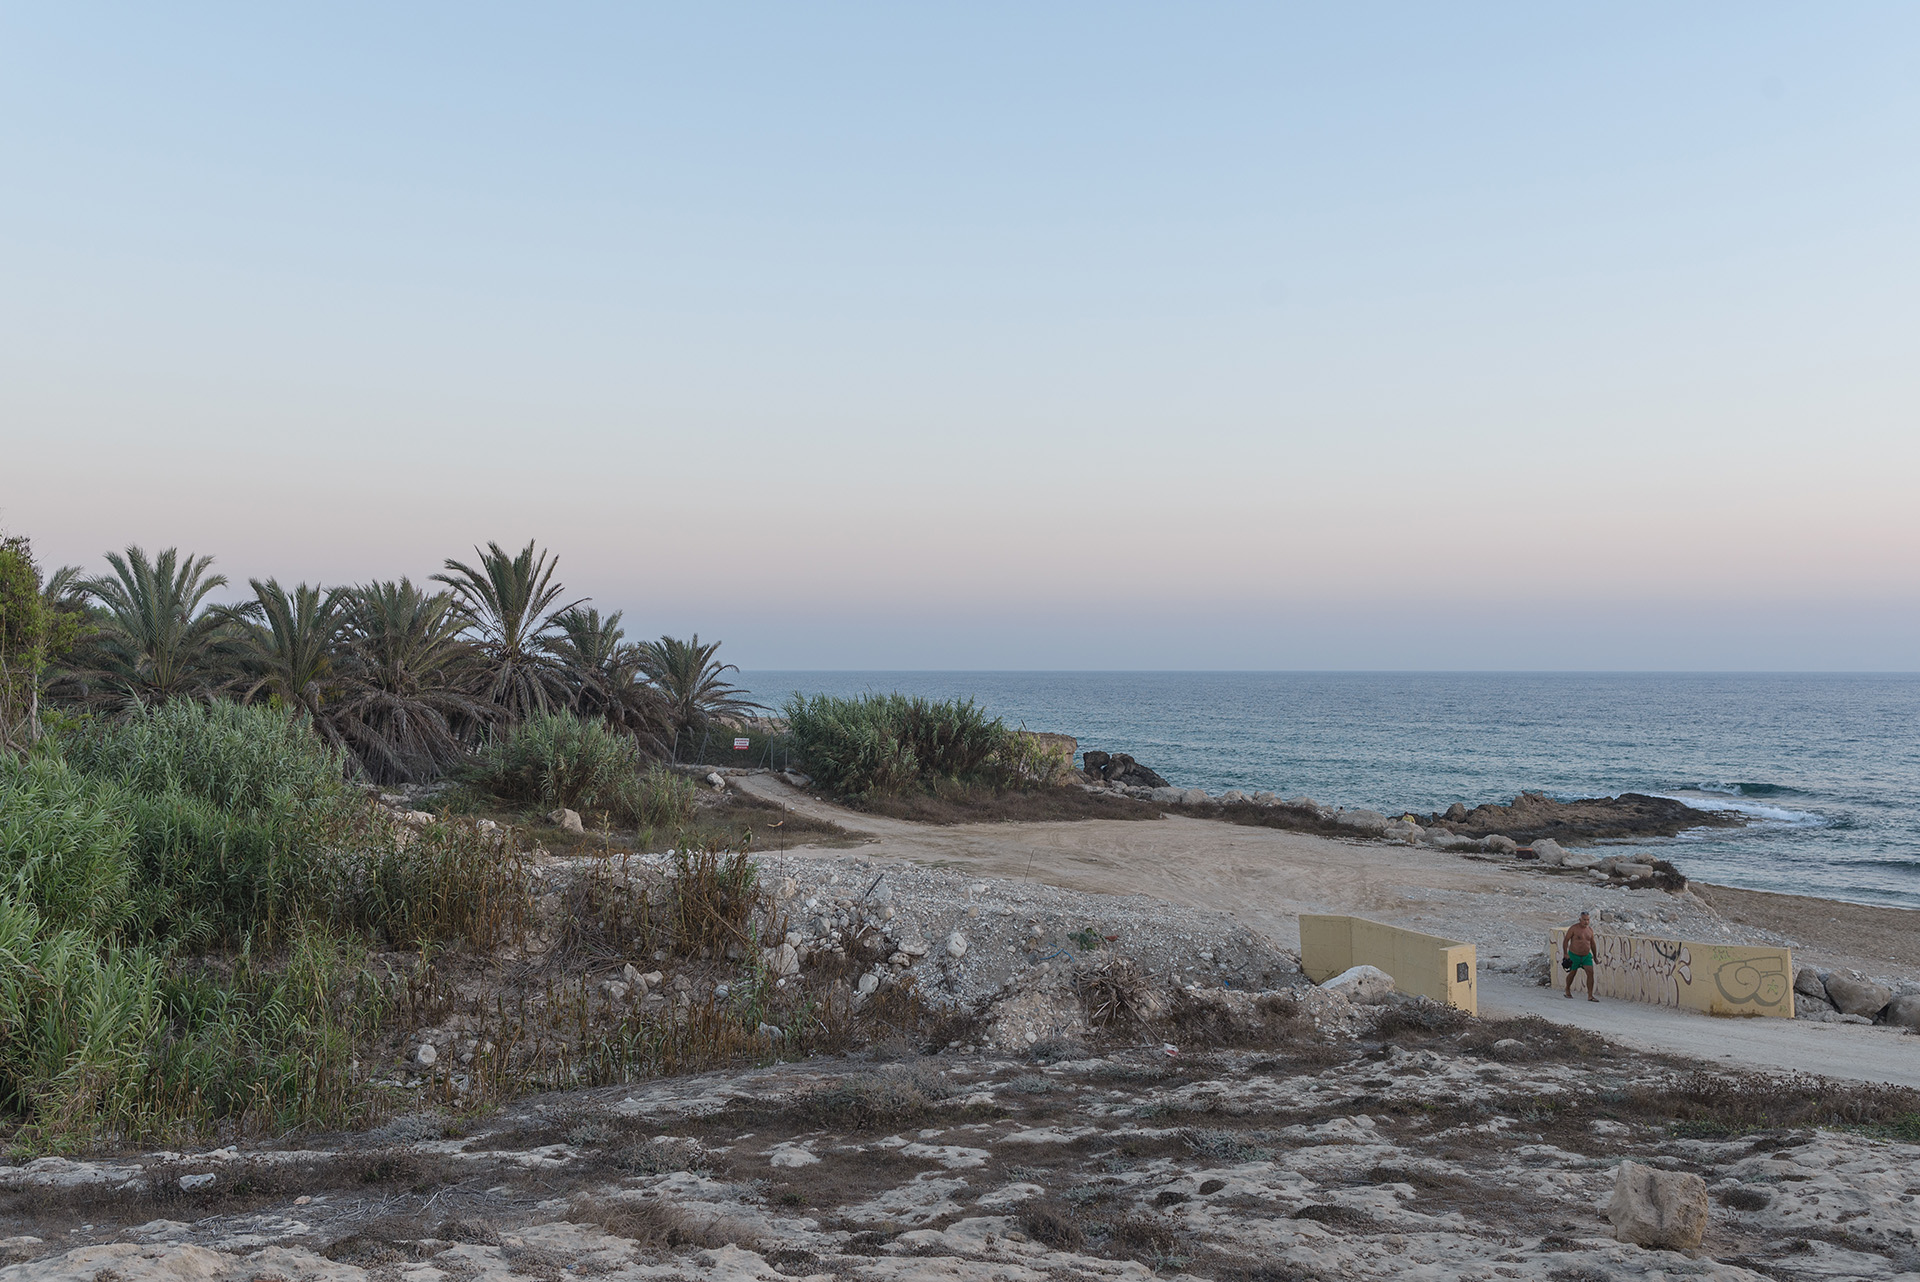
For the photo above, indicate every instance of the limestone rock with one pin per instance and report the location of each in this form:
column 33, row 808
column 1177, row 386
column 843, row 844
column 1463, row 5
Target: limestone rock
column 1232, row 795
column 1904, row 1012
column 424, row 1055
column 1550, row 853
column 1654, row 1208
column 1365, row 985
column 1855, row 994
column 1167, row 796
column 1195, row 797
column 716, row 781
column 1370, row 822
column 1265, row 799
column 1809, row 982
column 567, row 819
column 1441, row 839
column 956, row 945
column 1502, row 845
column 1806, row 1006
column 1457, row 812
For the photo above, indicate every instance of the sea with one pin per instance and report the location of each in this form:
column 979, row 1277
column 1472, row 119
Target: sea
column 1825, row 767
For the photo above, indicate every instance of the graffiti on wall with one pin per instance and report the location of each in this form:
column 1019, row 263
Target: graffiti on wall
column 1727, row 979
column 1644, row 970
column 1752, row 981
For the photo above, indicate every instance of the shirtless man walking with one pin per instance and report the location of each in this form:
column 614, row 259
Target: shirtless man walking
column 1578, row 947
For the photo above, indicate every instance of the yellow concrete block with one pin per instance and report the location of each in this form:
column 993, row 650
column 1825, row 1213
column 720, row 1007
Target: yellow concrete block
column 1421, row 964
column 1716, row 979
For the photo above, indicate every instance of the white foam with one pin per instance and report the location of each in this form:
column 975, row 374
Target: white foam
column 1753, row 810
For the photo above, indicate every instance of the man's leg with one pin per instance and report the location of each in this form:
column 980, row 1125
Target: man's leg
column 1570, row 975
column 1590, row 996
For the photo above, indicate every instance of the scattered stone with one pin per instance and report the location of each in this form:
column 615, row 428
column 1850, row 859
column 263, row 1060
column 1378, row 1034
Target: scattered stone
column 956, row 945
column 781, row 961
column 1809, row 982
column 566, row 819
column 717, row 781
column 1502, row 845
column 1655, row 1208
column 1195, row 797
column 424, row 1055
column 202, row 1181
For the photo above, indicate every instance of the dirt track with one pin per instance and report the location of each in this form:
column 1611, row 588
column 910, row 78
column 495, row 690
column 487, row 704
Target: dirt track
column 1267, row 877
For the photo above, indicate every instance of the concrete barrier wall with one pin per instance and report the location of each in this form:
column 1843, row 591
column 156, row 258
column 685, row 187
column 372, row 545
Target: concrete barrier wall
column 1424, row 965
column 1718, row 979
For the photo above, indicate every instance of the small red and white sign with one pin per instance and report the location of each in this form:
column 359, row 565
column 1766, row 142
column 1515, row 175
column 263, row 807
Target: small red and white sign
column 740, row 745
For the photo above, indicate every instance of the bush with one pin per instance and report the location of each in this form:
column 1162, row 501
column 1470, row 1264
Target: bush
column 888, row 743
column 558, row 759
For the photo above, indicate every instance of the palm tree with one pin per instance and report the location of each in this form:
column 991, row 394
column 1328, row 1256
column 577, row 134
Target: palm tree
column 159, row 639
column 405, row 705
column 689, row 679
column 605, row 674
column 288, row 652
column 509, row 604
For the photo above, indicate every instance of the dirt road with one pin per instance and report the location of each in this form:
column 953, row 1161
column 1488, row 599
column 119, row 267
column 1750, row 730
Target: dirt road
column 1267, row 877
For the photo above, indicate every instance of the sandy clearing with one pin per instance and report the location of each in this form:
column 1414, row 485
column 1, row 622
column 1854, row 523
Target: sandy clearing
column 1266, row 877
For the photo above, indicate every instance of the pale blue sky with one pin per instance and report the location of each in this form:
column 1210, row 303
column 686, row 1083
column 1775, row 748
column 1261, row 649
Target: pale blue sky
column 1053, row 336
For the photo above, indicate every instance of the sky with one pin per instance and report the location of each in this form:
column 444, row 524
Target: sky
column 990, row 336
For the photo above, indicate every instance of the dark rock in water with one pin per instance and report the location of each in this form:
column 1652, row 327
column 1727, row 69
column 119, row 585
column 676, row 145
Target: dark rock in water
column 1533, row 815
column 1118, row 767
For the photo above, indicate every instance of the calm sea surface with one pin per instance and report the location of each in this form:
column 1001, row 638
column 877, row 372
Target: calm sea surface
column 1826, row 767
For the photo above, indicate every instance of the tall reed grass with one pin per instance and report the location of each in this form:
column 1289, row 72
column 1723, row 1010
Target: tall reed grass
column 889, row 743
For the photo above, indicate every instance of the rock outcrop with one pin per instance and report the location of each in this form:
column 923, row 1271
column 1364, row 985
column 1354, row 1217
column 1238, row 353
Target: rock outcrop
column 1118, row 768
column 1533, row 815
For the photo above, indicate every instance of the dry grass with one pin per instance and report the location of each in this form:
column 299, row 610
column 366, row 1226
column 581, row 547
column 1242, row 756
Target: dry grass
column 658, row 1224
column 1000, row 805
column 1114, row 992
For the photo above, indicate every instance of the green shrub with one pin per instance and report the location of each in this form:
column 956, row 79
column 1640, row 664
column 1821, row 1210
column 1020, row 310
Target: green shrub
column 559, row 759
column 883, row 743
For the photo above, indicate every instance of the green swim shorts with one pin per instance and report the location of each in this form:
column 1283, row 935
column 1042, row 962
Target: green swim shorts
column 1575, row 961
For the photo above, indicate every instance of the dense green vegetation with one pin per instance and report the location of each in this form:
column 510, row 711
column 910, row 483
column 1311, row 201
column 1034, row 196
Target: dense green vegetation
column 210, row 922
column 194, row 895
column 134, row 852
column 404, row 681
column 888, row 744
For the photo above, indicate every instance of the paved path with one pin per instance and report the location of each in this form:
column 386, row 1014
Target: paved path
column 1762, row 1045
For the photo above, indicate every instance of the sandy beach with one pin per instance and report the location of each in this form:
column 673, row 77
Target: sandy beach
column 1265, row 878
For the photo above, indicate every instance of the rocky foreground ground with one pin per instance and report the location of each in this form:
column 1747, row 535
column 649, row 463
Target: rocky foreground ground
column 1239, row 1136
